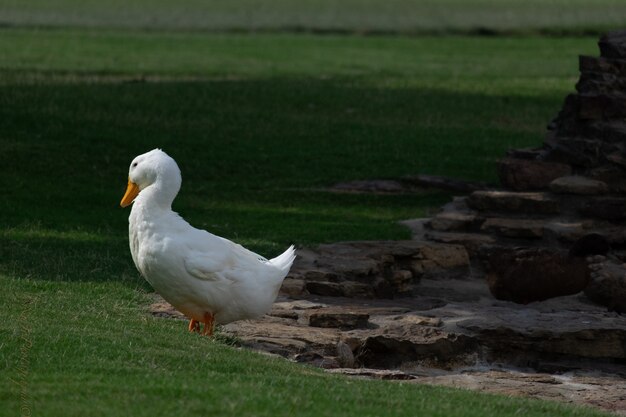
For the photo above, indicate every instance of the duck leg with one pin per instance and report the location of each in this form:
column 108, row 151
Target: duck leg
column 194, row 326
column 209, row 323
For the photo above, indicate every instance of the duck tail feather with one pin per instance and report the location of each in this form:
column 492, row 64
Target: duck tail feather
column 284, row 260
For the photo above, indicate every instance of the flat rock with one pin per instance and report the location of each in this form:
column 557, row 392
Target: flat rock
column 607, row 208
column 567, row 231
column 527, row 174
column 517, row 228
column 578, row 185
column 297, row 305
column 337, row 318
column 373, row 373
column 286, row 338
column 600, row 390
column 393, row 346
column 473, row 242
column 558, row 332
column 448, row 221
column 526, row 202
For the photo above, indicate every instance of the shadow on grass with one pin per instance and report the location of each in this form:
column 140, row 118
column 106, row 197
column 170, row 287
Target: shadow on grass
column 250, row 151
column 263, row 223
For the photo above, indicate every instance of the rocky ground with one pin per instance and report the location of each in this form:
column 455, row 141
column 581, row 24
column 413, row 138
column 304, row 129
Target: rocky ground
column 437, row 329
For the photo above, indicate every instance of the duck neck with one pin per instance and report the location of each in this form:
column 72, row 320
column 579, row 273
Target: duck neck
column 160, row 195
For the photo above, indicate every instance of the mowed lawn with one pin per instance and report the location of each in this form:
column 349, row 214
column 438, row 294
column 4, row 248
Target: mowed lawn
column 260, row 126
column 344, row 16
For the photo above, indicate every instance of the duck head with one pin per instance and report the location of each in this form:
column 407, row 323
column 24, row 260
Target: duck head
column 153, row 173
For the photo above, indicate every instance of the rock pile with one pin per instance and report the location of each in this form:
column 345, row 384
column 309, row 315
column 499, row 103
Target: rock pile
column 571, row 187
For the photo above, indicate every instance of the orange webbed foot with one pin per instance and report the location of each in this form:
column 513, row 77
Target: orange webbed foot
column 194, row 326
column 209, row 324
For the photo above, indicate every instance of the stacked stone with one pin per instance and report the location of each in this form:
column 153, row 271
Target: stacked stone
column 571, row 188
column 372, row 269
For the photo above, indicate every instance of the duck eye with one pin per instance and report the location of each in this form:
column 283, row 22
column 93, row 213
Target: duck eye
column 134, row 164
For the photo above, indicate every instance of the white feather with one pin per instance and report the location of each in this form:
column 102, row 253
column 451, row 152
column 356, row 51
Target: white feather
column 194, row 270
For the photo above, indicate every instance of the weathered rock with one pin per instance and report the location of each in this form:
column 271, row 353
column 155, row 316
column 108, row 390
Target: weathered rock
column 601, row 390
column 566, row 231
column 433, row 258
column 532, row 202
column 413, row 319
column 613, row 44
column 550, row 335
column 607, row 208
column 578, row 185
column 523, row 275
column 607, row 173
column 601, row 107
column 526, row 174
column 518, row 228
column 611, row 131
column 345, row 356
column 337, row 318
column 473, row 242
column 608, row 131
column 600, row 83
column 580, row 152
column 590, row 244
column 376, row 268
column 617, row 158
column 608, row 284
column 284, row 337
column 447, row 221
column 374, row 373
column 293, row 309
column 424, row 344
column 526, row 153
column 591, row 64
column 294, row 288
column 315, row 359
column 333, row 289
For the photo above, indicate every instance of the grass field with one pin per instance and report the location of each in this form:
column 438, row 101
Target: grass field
column 362, row 16
column 260, row 125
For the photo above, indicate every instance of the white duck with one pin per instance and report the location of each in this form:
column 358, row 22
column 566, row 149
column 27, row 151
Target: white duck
column 208, row 278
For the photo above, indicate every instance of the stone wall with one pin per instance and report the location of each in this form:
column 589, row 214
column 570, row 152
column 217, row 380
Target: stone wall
column 564, row 203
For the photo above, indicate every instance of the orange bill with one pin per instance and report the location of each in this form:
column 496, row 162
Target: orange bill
column 131, row 192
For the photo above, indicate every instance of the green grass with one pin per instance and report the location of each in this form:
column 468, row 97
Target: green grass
column 397, row 16
column 75, row 349
column 259, row 125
